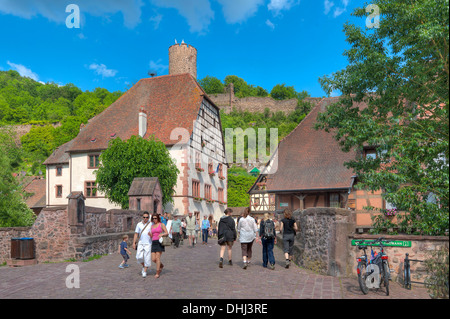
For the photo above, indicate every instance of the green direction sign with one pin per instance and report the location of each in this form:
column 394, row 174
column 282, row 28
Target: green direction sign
column 390, row 243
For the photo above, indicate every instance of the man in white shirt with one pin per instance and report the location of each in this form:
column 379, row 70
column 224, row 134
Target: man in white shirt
column 144, row 243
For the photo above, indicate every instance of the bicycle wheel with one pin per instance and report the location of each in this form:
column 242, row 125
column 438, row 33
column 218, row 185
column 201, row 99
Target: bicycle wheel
column 386, row 274
column 362, row 274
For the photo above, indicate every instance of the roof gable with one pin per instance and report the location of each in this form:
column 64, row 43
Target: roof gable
column 310, row 159
column 170, row 101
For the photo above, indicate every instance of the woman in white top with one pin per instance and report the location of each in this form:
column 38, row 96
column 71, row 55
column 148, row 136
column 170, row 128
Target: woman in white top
column 247, row 229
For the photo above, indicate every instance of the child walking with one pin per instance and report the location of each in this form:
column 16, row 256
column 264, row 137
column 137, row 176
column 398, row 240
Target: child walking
column 124, row 251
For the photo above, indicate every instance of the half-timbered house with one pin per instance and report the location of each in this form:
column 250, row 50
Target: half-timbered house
column 310, row 171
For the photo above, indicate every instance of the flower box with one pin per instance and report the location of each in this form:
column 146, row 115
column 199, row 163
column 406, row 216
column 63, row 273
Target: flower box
column 199, row 169
column 198, row 199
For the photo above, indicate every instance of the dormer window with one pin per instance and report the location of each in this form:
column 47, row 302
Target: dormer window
column 370, row 153
column 93, row 139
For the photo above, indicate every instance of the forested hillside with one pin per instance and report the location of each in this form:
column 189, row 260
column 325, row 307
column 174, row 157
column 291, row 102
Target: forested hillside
column 25, row 101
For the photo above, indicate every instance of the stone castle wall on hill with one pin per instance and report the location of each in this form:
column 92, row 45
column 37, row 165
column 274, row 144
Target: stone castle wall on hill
column 228, row 102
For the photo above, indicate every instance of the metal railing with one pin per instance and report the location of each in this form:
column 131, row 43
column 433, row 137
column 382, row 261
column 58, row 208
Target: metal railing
column 407, row 273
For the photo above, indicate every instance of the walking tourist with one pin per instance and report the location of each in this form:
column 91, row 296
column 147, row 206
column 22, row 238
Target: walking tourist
column 227, row 236
column 165, row 218
column 268, row 240
column 176, row 231
column 142, row 243
column 214, row 228
column 124, row 251
column 288, row 227
column 205, row 229
column 183, row 229
column 190, row 229
column 157, row 231
column 247, row 229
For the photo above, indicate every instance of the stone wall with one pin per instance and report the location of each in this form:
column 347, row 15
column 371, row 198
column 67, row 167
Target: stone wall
column 57, row 240
column 228, row 102
column 421, row 247
column 322, row 240
column 252, row 104
column 323, row 244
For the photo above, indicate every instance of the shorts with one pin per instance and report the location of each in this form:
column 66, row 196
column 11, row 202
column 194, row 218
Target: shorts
column 190, row 232
column 125, row 257
column 157, row 247
column 228, row 243
column 288, row 243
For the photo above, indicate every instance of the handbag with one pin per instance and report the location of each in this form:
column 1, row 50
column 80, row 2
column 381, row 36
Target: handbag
column 221, row 240
column 165, row 241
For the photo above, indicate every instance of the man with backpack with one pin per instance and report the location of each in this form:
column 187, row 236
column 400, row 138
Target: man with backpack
column 268, row 240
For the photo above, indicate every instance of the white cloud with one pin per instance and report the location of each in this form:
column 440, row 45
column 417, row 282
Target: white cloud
column 55, row 10
column 198, row 13
column 24, row 71
column 328, row 5
column 338, row 10
column 156, row 20
column 158, row 66
column 278, row 5
column 270, row 24
column 102, row 70
column 237, row 11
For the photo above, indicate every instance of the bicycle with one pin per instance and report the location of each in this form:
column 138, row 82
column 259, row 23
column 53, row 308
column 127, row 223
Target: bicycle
column 374, row 272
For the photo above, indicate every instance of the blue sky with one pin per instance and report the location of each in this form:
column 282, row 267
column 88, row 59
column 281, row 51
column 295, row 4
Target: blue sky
column 265, row 42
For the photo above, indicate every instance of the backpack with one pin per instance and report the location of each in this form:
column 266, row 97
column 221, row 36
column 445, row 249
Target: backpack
column 269, row 229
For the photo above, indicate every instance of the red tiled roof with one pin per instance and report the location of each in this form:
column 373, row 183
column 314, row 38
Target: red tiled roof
column 59, row 155
column 170, row 101
column 310, row 159
column 36, row 188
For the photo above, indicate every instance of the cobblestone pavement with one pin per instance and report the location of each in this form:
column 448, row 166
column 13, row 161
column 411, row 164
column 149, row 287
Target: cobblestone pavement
column 189, row 273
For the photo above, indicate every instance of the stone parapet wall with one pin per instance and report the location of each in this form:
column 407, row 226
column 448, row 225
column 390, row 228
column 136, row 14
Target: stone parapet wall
column 56, row 240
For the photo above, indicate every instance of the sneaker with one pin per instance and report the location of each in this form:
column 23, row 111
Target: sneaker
column 245, row 265
column 144, row 273
column 221, row 263
column 126, row 265
column 120, row 266
column 272, row 266
column 288, row 262
column 230, row 263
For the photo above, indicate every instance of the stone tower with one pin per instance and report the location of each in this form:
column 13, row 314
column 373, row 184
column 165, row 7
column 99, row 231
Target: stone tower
column 183, row 59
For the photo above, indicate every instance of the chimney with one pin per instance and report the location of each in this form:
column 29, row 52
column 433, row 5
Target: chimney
column 142, row 122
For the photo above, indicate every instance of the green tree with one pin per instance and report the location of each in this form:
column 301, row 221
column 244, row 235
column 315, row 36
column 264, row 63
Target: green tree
column 401, row 71
column 283, row 92
column 238, row 186
column 122, row 161
column 212, row 85
column 13, row 210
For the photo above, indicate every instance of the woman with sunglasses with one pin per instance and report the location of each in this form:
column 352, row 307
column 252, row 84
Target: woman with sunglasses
column 157, row 231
